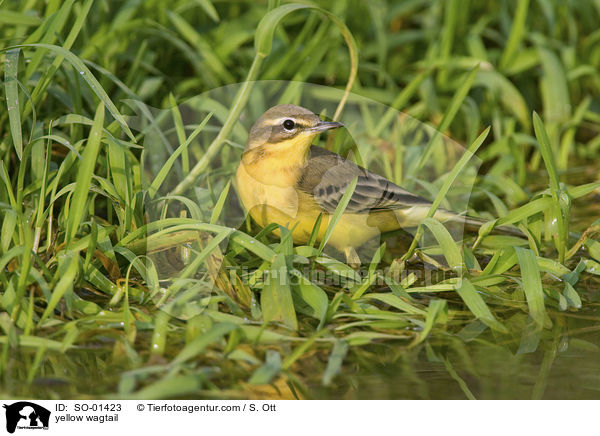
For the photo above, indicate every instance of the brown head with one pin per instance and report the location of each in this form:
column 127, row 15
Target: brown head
column 286, row 127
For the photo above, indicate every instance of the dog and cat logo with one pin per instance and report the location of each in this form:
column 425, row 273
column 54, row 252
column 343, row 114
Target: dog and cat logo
column 26, row 415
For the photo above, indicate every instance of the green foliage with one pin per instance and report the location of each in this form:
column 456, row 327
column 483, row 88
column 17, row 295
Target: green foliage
column 82, row 291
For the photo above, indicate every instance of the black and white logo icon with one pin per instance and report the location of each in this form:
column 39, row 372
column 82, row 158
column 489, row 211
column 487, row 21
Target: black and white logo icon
column 26, row 415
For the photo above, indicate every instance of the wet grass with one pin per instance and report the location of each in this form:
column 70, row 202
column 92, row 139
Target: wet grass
column 102, row 298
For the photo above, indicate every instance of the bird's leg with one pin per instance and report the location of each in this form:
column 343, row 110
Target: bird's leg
column 352, row 258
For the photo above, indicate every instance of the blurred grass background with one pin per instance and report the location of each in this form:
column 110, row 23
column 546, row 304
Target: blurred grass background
column 78, row 304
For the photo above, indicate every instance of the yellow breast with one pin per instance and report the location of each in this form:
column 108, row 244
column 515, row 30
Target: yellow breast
column 268, row 192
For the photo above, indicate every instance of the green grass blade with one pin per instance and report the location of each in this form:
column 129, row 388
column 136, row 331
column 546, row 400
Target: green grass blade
column 312, row 295
column 334, row 364
column 11, row 67
column 532, row 285
column 209, row 8
column 435, row 313
column 18, row 19
column 561, row 203
column 447, row 244
column 198, row 345
column 450, row 178
column 517, row 33
column 337, row 214
column 265, row 373
column 91, row 81
column 66, row 279
column 84, row 175
column 206, row 251
column 477, row 305
column 554, row 87
column 451, row 111
column 547, row 154
column 218, row 209
column 166, row 168
column 263, row 41
column 276, row 297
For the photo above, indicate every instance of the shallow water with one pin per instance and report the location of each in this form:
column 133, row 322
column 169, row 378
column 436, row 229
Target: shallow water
column 565, row 365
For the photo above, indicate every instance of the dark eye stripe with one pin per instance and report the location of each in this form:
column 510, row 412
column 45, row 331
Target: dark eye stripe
column 278, row 133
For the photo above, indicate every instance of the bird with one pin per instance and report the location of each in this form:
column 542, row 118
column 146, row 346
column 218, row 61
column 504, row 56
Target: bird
column 282, row 178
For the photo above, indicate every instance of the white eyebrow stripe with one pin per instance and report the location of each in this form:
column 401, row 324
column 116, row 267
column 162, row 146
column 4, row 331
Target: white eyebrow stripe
column 278, row 121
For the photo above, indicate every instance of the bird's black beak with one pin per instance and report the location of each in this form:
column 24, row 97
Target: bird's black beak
column 326, row 125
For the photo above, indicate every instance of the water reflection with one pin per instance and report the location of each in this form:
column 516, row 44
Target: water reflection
column 454, row 363
column 563, row 366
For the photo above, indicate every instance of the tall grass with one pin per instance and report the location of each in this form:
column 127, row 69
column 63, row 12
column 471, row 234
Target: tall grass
column 81, row 292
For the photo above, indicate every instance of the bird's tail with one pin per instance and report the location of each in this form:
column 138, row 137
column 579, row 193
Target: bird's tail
column 473, row 224
column 413, row 216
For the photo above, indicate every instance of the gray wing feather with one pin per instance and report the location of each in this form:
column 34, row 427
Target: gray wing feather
column 327, row 175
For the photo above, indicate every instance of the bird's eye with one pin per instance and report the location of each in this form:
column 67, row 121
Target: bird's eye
column 289, row 124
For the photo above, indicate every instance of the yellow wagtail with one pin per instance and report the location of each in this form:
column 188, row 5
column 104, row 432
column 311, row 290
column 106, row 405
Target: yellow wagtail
column 283, row 179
